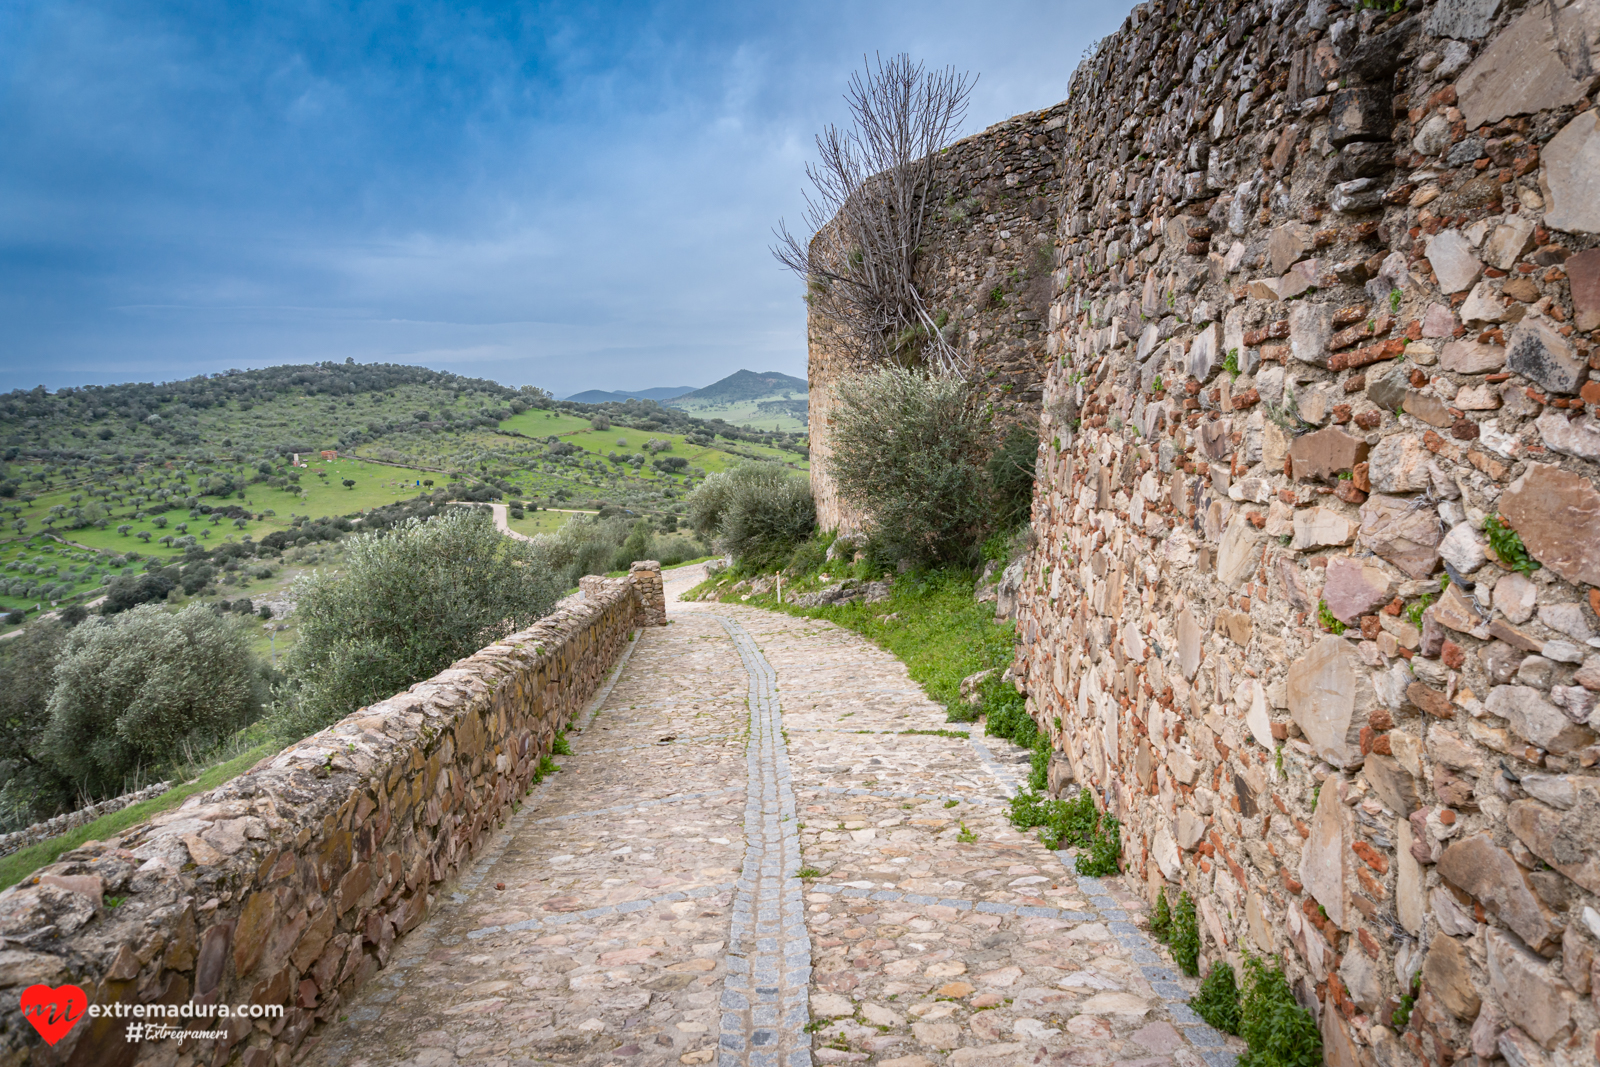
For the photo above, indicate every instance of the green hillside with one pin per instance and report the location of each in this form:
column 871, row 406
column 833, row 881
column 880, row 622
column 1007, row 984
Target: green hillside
column 100, row 482
column 764, row 400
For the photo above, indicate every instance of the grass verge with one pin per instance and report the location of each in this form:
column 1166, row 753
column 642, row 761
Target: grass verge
column 17, row 866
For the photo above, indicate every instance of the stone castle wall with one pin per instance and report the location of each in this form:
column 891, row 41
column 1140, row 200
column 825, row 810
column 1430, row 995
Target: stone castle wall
column 1327, row 292
column 290, row 884
column 987, row 259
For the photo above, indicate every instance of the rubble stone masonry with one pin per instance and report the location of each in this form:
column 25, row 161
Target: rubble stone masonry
column 1326, row 297
column 290, row 884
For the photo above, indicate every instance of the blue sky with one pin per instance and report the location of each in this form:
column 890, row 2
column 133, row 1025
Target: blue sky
column 569, row 195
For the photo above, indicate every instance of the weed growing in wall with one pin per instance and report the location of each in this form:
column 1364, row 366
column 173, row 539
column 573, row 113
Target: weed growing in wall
column 1218, row 1000
column 1184, row 935
column 1280, row 1032
column 1507, row 544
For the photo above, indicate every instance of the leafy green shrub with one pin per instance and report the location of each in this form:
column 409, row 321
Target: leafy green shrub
column 1280, row 1032
column 1105, row 850
column 1218, row 1000
column 1011, row 472
column 409, row 602
column 1072, row 823
column 769, row 511
column 909, row 451
column 131, row 690
column 670, row 551
column 636, row 546
column 758, row 512
column 1184, row 935
column 1008, row 713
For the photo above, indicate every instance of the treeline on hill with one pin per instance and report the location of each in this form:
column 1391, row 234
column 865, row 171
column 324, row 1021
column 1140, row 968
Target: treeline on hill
column 100, row 423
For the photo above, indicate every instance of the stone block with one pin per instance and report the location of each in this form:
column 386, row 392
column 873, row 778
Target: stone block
column 1523, row 69
column 1566, row 837
column 1569, row 172
column 1508, row 242
column 1448, row 973
column 1536, row 720
column 1330, row 698
column 1325, row 453
column 1393, row 784
column 1399, row 464
column 1463, row 20
column 1190, row 638
column 1403, row 531
column 1239, row 551
column 1323, row 859
column 1535, row 350
column 1205, row 353
column 1479, row 867
column 1360, row 114
column 1287, row 244
column 1483, row 305
column 1409, row 900
column 1528, row 991
column 1310, row 329
column 1583, row 274
column 1453, row 261
column 1557, row 515
column 1462, row 548
column 1578, row 436
column 1472, row 357
column 1355, row 587
column 1514, row 597
column 1321, row 528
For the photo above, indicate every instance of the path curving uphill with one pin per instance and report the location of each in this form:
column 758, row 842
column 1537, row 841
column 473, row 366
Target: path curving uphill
column 645, row 906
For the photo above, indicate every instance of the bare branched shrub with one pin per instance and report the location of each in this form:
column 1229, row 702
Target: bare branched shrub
column 868, row 211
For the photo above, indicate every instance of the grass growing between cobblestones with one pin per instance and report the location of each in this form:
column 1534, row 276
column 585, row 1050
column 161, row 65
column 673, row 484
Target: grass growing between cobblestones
column 17, row 866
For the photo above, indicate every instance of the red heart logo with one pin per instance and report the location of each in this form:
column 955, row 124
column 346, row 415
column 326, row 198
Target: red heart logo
column 53, row 1011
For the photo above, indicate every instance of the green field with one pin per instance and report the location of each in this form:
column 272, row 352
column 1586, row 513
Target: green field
column 746, row 413
column 92, row 554
column 538, row 522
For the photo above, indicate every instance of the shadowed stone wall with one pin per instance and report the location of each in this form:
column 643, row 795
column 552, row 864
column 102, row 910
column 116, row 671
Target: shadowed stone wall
column 290, row 884
column 1326, row 298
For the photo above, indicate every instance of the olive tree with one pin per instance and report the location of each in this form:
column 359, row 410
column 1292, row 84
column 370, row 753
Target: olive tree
column 757, row 512
column 909, row 450
column 131, row 689
column 408, row 602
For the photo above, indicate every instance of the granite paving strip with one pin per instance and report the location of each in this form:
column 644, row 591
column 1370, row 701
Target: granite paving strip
column 769, row 951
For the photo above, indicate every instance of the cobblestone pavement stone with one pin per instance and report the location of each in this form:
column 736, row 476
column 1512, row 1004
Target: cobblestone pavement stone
column 642, row 907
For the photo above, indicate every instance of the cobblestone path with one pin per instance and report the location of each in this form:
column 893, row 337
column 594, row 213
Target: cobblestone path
column 644, row 906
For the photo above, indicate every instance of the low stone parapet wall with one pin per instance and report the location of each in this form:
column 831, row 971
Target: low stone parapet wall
column 71, row 820
column 290, row 884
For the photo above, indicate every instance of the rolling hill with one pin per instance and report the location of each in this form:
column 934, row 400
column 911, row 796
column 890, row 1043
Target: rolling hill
column 747, row 398
column 618, row 396
column 98, row 479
